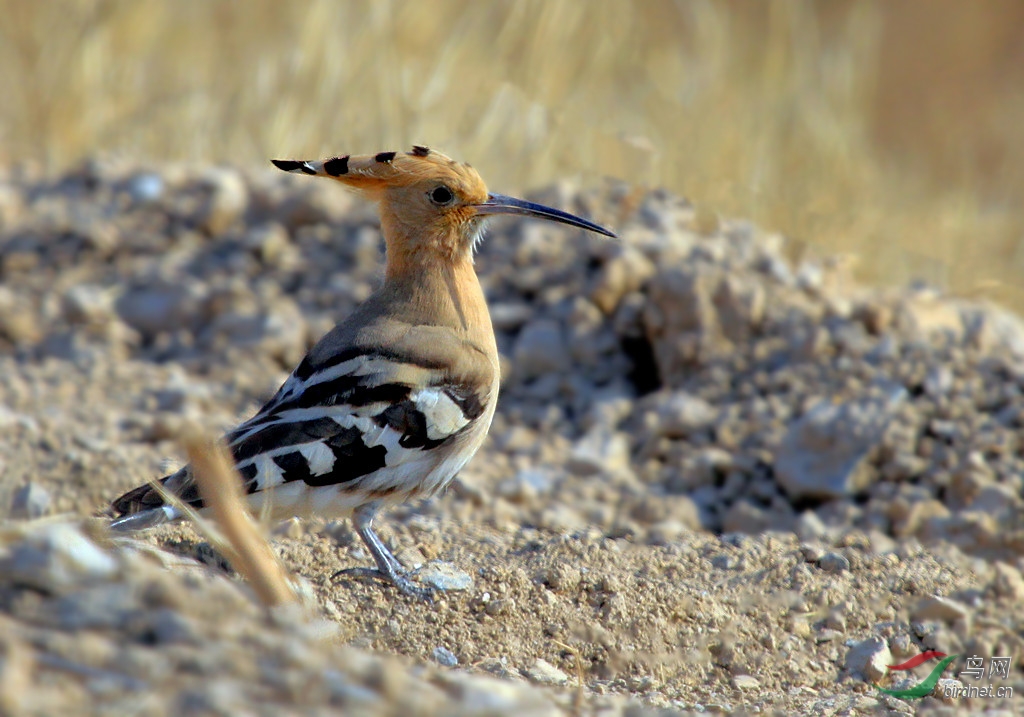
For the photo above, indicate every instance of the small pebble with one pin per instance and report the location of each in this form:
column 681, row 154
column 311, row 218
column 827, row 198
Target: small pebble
column 940, row 608
column 444, row 656
column 57, row 559
column 724, row 561
column 30, row 501
column 833, row 563
column 870, row 659
column 545, row 673
column 146, row 187
column 746, row 682
column 444, row 576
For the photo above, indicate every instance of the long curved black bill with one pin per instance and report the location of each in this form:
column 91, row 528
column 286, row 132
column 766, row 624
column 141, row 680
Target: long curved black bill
column 501, row 204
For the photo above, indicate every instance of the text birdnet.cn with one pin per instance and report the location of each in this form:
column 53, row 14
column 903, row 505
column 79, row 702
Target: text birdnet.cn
column 393, row 401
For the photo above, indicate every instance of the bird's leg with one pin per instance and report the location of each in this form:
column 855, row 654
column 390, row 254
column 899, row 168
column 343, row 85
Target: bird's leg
column 388, row 568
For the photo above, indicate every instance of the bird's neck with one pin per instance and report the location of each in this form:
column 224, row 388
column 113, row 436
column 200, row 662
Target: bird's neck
column 412, row 253
column 441, row 289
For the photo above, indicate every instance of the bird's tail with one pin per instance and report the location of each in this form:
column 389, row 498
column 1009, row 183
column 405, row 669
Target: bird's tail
column 145, row 519
column 144, row 507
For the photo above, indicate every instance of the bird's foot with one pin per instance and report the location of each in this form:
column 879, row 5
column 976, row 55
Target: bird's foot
column 388, row 568
column 399, row 579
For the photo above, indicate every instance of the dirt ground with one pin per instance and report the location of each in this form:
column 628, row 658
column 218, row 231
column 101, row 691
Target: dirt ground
column 692, row 499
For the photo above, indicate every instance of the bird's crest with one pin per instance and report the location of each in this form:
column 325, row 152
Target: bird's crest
column 371, row 173
column 452, row 200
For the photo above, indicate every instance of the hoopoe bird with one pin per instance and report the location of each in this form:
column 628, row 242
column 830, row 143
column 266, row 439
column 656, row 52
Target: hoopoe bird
column 393, row 402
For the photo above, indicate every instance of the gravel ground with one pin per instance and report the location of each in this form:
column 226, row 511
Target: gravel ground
column 717, row 481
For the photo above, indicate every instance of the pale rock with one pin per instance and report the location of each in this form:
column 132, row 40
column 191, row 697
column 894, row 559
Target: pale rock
column 600, row 450
column 746, row 682
column 681, row 322
column 745, row 517
column 672, row 530
column 927, row 315
column 561, row 518
column 680, row 413
column 146, row 187
column 279, row 331
column 57, row 558
column 1008, row 582
column 88, row 304
column 159, row 307
column 486, row 695
column 526, row 484
column 316, row 203
column 911, row 518
column 443, row 576
column 834, row 563
column 10, row 419
column 609, row 407
column 562, row 577
column 620, row 275
column 30, row 502
column 870, row 659
column 12, row 205
column 545, row 673
column 824, row 454
column 998, row 500
column 811, row 553
column 285, row 332
column 628, row 319
column 991, row 328
column 540, row 349
column 444, row 656
column 881, row 543
column 939, row 381
column 810, row 527
column 226, row 201
column 904, row 466
column 270, row 241
column 778, row 270
column 651, row 508
column 18, row 320
column 510, row 315
column 810, row 276
column 740, row 304
column 940, row 608
column 701, row 469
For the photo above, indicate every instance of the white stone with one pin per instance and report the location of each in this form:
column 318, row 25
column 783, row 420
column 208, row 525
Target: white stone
column 870, row 659
column 444, row 576
column 545, row 673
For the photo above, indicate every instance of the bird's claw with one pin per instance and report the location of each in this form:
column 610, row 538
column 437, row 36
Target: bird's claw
column 401, row 582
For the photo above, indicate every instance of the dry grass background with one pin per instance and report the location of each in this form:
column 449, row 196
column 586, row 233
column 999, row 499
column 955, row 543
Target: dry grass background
column 890, row 131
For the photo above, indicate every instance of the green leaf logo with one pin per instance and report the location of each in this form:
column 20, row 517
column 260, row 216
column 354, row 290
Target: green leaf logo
column 924, row 688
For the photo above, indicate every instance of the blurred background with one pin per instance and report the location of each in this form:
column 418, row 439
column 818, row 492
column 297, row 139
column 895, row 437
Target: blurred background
column 890, row 132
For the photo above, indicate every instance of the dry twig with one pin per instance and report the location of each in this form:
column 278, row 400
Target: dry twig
column 250, row 555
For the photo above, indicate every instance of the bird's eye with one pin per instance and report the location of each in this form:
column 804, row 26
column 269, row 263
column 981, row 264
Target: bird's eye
column 441, row 196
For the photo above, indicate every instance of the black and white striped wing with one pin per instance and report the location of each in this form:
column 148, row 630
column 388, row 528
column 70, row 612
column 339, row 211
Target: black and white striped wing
column 373, row 423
